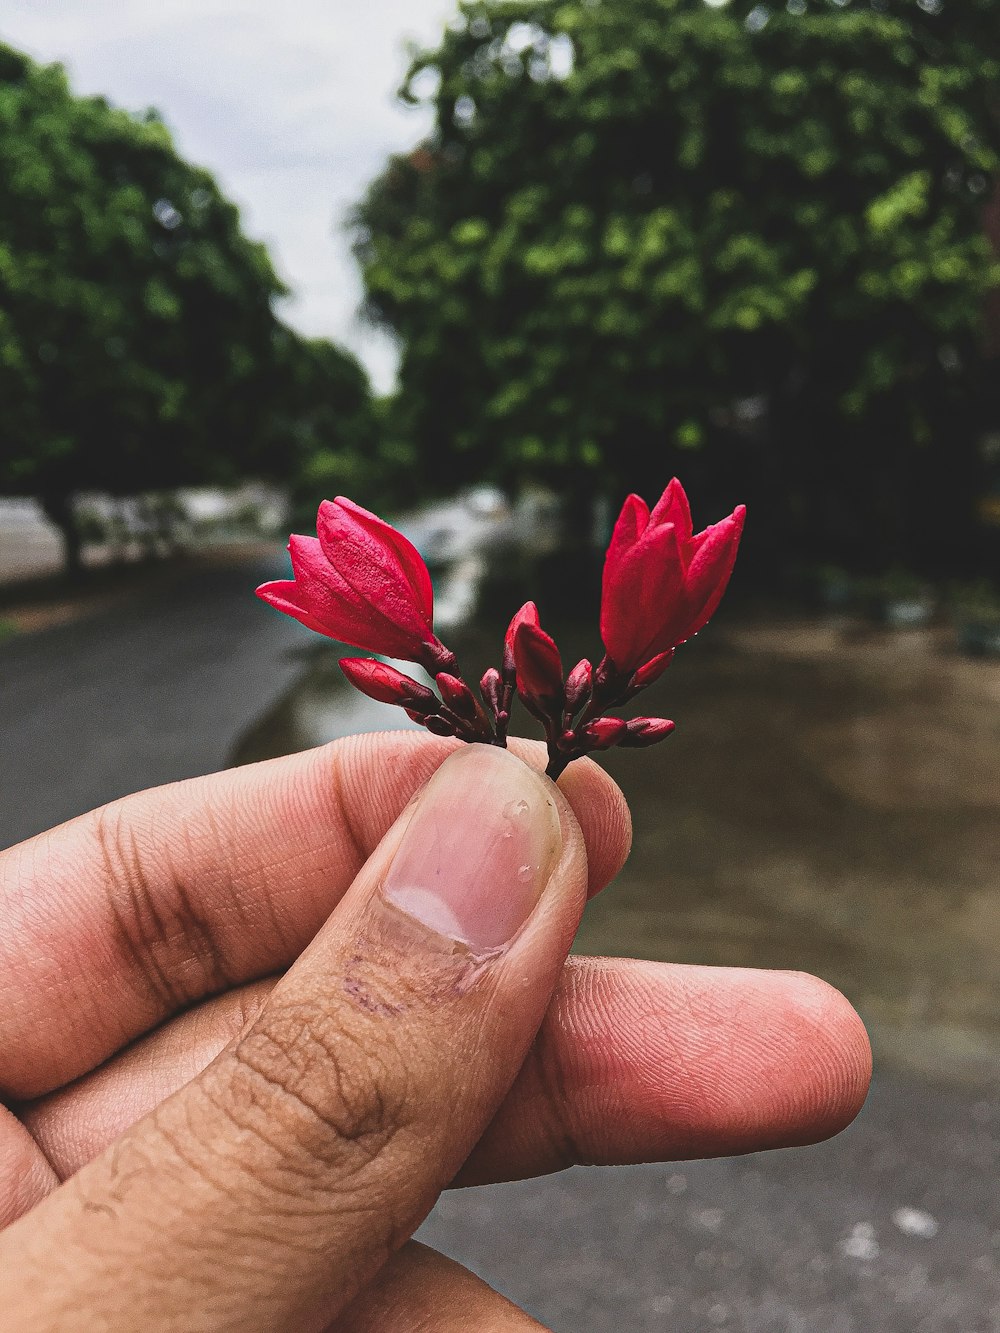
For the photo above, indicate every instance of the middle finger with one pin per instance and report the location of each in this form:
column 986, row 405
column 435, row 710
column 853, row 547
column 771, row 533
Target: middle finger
column 635, row 1061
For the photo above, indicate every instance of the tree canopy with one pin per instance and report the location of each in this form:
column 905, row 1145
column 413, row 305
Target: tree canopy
column 139, row 343
column 640, row 227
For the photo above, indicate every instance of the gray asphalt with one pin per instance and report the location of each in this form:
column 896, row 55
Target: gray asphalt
column 154, row 691
column 893, row 1226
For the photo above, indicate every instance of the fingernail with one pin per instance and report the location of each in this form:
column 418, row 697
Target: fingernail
column 478, row 850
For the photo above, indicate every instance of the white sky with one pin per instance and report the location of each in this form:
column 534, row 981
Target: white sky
column 290, row 103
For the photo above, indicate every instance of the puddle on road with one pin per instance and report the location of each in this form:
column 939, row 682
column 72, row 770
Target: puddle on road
column 830, row 802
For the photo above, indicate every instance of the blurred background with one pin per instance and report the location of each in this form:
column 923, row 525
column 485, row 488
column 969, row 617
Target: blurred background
column 485, row 267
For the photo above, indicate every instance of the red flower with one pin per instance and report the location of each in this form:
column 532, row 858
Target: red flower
column 662, row 581
column 361, row 581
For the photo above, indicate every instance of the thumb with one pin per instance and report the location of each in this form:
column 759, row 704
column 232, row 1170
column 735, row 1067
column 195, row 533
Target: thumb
column 268, row 1191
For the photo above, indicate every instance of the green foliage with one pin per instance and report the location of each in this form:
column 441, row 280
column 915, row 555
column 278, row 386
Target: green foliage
column 335, row 436
column 633, row 214
column 139, row 345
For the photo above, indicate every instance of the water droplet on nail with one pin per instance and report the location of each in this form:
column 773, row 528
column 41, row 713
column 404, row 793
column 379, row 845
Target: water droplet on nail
column 517, row 811
column 526, row 874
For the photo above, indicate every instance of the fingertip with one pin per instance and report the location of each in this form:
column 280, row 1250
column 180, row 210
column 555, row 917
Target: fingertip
column 721, row 1060
column 834, row 1079
column 601, row 808
column 802, row 1062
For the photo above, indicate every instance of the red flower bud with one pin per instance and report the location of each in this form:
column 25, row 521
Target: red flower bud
column 643, row 731
column 603, row 732
column 361, row 581
column 528, row 615
column 458, row 697
column 662, row 581
column 539, row 668
column 579, row 686
column 383, row 682
column 492, row 688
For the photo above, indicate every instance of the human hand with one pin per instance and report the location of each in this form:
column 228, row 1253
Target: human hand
column 248, row 1147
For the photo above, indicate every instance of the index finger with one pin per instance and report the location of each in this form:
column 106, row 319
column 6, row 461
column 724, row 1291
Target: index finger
column 127, row 915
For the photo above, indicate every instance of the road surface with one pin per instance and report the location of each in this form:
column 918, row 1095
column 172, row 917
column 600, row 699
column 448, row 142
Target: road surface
column 145, row 693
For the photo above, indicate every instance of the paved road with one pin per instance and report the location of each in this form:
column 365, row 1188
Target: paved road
column 157, row 690
column 801, row 1241
column 892, row 1228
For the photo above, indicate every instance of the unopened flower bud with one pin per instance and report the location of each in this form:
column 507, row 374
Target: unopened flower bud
column 579, row 686
column 492, row 688
column 603, row 733
column 643, row 731
column 528, row 615
column 458, row 697
column 539, row 669
column 387, row 685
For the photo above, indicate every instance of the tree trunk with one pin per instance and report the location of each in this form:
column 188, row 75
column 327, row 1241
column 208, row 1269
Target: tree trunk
column 58, row 509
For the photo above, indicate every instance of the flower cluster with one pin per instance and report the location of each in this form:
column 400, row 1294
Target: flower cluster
column 361, row 582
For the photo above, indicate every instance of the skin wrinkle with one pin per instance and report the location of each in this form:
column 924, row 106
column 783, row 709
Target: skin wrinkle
column 553, row 1087
column 158, row 918
column 364, row 1099
column 221, row 873
column 161, row 992
column 344, row 818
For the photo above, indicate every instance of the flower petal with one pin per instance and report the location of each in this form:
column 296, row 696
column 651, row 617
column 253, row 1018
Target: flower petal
column 528, row 615
column 539, row 667
column 673, row 507
column 341, row 611
column 382, row 567
column 286, row 595
column 711, row 567
column 411, row 562
column 644, row 600
column 629, row 527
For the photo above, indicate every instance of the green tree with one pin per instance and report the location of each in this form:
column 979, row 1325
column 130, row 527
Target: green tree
column 333, row 429
column 139, row 345
column 638, row 222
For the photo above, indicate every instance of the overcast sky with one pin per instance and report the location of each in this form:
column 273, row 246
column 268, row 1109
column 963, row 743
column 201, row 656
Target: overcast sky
column 290, row 103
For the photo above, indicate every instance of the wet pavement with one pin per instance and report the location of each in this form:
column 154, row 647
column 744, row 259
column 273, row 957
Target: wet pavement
column 893, row 1227
column 831, row 801
column 149, row 691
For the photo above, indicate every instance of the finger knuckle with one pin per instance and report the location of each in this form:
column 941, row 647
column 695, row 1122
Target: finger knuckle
column 156, row 918
column 328, row 1100
column 555, row 1120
